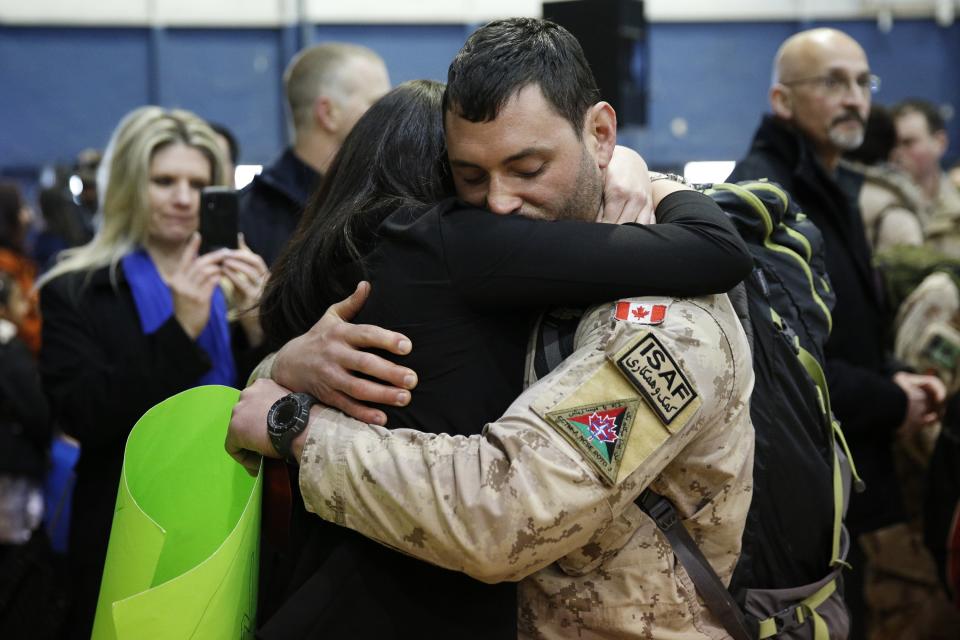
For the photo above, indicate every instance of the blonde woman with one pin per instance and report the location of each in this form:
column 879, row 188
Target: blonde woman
column 137, row 315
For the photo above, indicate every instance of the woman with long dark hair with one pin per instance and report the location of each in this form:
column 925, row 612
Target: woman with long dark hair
column 465, row 285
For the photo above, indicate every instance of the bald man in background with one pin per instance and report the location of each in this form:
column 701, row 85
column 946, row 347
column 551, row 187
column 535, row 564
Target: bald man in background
column 328, row 87
column 820, row 98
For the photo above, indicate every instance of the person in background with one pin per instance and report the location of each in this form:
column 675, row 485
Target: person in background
column 15, row 218
column 820, row 98
column 64, row 225
column 25, row 427
column 921, row 144
column 137, row 315
column 891, row 206
column 328, row 87
column 954, row 174
column 231, row 150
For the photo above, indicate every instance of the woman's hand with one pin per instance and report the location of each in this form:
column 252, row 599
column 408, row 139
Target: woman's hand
column 247, row 272
column 192, row 285
column 627, row 193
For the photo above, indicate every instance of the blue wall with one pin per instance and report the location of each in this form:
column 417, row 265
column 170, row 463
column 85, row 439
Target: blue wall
column 66, row 88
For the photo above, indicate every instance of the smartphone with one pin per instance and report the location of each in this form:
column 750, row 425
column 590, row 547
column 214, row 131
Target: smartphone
column 219, row 222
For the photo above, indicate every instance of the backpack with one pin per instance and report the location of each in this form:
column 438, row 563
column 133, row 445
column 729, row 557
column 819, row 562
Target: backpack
column 787, row 581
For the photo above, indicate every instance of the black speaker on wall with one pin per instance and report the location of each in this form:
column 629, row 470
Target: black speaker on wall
column 613, row 34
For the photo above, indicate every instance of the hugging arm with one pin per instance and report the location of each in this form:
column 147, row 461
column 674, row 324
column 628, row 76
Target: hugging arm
column 512, row 261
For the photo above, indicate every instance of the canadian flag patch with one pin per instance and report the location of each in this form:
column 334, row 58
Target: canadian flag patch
column 640, row 312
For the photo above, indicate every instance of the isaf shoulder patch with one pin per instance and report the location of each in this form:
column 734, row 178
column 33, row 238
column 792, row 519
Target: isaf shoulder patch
column 606, row 415
column 599, row 431
column 651, row 369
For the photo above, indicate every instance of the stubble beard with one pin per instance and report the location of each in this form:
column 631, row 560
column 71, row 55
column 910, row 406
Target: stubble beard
column 586, row 196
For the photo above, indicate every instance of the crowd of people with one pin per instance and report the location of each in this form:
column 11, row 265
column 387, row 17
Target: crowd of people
column 463, row 464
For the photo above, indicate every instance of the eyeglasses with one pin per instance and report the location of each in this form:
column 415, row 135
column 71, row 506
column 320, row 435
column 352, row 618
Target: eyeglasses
column 836, row 86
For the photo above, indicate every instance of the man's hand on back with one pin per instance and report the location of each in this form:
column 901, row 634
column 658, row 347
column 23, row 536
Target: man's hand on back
column 325, row 361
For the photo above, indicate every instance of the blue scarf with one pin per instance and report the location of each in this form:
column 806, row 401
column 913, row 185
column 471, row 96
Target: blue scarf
column 155, row 306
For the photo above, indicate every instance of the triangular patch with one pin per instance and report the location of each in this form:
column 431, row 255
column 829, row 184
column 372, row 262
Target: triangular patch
column 599, row 431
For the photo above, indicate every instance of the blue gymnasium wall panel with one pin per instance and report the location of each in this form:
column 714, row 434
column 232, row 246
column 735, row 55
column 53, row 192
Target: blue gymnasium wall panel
column 716, row 77
column 229, row 76
column 411, row 52
column 65, row 89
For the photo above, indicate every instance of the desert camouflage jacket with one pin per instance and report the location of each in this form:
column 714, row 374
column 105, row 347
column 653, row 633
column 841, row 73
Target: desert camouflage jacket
column 656, row 394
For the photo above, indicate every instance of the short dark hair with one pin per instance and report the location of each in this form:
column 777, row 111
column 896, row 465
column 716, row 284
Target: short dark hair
column 11, row 228
column 231, row 139
column 7, row 284
column 393, row 158
column 930, row 112
column 504, row 56
column 879, row 138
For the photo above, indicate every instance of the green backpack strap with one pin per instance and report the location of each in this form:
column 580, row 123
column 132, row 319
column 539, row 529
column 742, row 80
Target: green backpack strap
column 842, row 459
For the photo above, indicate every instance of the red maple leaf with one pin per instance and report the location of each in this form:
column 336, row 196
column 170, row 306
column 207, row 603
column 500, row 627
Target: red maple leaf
column 603, row 427
column 640, row 312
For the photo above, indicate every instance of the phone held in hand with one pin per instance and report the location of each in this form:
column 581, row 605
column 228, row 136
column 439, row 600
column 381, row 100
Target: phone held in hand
column 219, row 222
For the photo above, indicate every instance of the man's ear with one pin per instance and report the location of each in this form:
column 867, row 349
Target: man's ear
column 600, row 130
column 781, row 102
column 325, row 114
column 943, row 143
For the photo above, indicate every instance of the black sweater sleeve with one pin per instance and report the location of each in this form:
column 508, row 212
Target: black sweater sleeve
column 512, row 261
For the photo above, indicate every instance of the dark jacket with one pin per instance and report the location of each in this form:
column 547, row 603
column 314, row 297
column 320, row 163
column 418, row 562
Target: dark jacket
column 25, row 428
column 868, row 403
column 271, row 205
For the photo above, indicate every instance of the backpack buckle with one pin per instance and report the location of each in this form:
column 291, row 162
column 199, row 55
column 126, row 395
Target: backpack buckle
column 660, row 511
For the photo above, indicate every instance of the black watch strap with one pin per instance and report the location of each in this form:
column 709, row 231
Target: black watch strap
column 288, row 418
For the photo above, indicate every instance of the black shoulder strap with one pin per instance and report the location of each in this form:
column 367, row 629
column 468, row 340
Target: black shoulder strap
column 555, row 339
column 705, row 579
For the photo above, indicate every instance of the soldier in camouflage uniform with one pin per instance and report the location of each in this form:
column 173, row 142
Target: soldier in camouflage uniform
column 546, row 494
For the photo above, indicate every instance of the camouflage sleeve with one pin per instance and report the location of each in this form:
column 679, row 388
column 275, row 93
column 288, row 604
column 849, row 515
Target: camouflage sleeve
column 570, row 453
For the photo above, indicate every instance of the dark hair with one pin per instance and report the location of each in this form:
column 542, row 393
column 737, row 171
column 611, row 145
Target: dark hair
column 930, row 112
column 394, row 157
column 879, row 138
column 504, row 56
column 232, row 143
column 7, row 283
column 11, row 228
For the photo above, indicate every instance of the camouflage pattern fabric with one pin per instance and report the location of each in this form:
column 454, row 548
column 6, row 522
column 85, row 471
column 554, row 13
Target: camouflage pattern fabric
column 905, row 267
column 904, row 597
column 545, row 495
column 927, row 336
column 943, row 231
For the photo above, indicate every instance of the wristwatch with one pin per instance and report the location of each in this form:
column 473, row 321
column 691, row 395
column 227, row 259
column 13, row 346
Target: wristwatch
column 287, row 419
column 673, row 177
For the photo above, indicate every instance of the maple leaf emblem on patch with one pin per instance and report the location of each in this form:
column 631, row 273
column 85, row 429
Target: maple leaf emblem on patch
column 603, row 427
column 640, row 313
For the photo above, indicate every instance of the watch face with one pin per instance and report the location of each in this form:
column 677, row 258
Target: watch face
column 282, row 415
column 285, row 413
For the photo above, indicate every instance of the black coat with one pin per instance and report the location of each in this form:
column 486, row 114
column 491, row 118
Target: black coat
column 868, row 403
column 25, row 427
column 271, row 205
column 101, row 373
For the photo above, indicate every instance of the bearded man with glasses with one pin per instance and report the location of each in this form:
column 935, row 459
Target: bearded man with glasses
column 820, row 98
